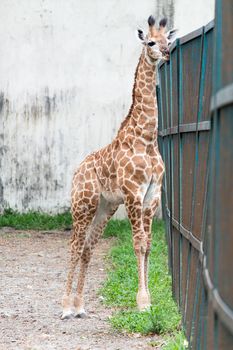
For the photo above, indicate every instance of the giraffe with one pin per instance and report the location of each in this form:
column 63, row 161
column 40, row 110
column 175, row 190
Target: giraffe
column 129, row 171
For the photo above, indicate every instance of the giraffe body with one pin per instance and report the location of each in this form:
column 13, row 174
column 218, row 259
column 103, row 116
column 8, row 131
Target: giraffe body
column 129, row 171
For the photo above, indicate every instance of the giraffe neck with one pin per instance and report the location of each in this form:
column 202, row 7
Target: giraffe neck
column 143, row 114
column 144, row 110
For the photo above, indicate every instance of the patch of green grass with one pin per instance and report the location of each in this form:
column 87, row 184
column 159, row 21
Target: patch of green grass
column 176, row 342
column 120, row 288
column 172, row 342
column 35, row 220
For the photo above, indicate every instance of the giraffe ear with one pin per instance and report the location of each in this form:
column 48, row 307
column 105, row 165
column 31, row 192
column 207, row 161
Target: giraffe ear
column 141, row 35
column 171, row 34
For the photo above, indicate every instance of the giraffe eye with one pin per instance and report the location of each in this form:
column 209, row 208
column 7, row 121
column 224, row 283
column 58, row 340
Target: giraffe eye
column 151, row 43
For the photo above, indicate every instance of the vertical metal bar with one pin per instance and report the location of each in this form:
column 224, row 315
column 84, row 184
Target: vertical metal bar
column 162, row 148
column 170, row 161
column 178, row 165
column 216, row 331
column 200, row 94
column 217, row 66
column 199, row 111
column 199, row 338
column 180, row 151
column 202, row 333
column 194, row 331
column 171, row 167
column 170, row 152
column 165, row 180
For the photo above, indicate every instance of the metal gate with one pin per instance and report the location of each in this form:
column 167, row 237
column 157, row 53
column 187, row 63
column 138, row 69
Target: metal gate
column 197, row 146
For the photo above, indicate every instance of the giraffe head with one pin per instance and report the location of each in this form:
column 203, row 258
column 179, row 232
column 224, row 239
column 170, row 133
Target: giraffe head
column 157, row 40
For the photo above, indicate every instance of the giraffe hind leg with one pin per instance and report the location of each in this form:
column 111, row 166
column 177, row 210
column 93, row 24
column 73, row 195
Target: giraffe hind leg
column 104, row 213
column 77, row 245
column 85, row 202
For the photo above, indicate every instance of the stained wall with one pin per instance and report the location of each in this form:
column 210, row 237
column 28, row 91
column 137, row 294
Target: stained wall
column 66, row 71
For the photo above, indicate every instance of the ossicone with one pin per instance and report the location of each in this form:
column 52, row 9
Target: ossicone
column 151, row 21
column 163, row 22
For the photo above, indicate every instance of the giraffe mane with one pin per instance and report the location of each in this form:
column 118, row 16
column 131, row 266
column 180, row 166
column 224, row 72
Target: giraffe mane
column 126, row 120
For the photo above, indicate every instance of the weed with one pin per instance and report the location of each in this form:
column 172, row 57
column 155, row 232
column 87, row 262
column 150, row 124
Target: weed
column 176, row 342
column 35, row 220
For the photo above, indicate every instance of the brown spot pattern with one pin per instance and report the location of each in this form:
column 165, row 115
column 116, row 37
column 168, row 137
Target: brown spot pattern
column 129, row 165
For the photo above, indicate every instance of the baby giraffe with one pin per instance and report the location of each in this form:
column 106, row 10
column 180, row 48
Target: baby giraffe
column 129, row 170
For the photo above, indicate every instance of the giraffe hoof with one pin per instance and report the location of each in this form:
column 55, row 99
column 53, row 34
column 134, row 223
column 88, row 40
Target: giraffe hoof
column 143, row 301
column 81, row 314
column 144, row 307
column 67, row 315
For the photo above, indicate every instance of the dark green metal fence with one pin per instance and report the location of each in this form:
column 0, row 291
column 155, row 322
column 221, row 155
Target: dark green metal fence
column 196, row 142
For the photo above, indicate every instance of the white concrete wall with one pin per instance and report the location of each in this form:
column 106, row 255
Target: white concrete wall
column 67, row 71
column 190, row 15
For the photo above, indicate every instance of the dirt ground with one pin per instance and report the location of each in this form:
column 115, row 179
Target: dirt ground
column 32, row 276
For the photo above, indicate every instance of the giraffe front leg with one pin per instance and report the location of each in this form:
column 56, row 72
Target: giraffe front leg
column 147, row 222
column 143, row 297
column 140, row 245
